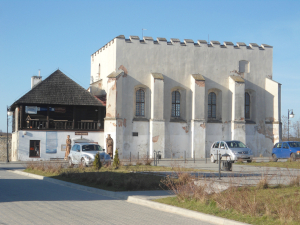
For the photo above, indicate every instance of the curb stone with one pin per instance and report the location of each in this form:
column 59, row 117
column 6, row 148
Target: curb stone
column 135, row 200
column 184, row 212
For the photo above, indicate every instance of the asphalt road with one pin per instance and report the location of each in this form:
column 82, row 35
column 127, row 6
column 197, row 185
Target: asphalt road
column 25, row 200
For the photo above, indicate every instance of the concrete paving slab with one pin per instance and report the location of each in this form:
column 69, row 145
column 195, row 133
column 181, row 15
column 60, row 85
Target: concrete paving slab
column 141, row 198
column 27, row 200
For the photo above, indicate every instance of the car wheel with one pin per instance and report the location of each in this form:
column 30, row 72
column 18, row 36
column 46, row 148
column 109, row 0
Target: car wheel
column 71, row 164
column 274, row 158
column 293, row 157
column 249, row 161
column 83, row 162
column 212, row 159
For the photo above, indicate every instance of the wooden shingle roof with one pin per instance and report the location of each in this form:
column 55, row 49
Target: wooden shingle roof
column 58, row 89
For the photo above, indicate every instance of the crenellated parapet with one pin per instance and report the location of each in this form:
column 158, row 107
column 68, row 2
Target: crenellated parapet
column 185, row 42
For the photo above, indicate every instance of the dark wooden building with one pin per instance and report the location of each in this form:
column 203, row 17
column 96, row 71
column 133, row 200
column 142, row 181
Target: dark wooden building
column 58, row 103
column 51, row 110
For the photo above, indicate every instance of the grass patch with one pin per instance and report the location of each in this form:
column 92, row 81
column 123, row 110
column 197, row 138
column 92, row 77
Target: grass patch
column 262, row 204
column 287, row 164
column 124, row 178
column 211, row 208
column 271, row 206
column 105, row 178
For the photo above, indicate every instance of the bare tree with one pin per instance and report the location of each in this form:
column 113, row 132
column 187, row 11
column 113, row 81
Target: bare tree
column 284, row 121
column 293, row 130
column 296, row 130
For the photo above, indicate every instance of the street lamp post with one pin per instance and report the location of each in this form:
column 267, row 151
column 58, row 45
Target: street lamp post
column 9, row 113
column 290, row 114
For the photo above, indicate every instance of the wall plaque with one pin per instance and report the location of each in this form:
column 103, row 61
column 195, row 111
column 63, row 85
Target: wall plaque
column 81, row 133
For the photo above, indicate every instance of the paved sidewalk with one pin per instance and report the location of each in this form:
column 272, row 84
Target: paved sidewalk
column 24, row 200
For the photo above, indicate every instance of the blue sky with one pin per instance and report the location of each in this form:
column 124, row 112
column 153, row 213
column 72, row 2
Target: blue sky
column 48, row 35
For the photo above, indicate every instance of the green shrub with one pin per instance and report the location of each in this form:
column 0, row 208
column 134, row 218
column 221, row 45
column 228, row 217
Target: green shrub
column 97, row 163
column 109, row 182
column 130, row 184
column 116, row 162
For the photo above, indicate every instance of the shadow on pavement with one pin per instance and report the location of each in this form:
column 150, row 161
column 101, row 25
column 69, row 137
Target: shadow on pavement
column 12, row 190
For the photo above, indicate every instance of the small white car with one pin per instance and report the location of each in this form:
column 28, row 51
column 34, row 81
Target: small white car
column 236, row 150
column 84, row 154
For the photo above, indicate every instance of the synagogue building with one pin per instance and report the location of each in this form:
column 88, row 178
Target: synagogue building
column 178, row 97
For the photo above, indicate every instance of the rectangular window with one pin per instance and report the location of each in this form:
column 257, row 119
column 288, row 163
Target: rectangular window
column 212, row 105
column 140, row 103
column 247, row 105
column 175, row 104
column 34, row 148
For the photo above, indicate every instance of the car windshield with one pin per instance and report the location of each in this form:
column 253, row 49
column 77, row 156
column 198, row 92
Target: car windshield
column 91, row 148
column 235, row 144
column 294, row 144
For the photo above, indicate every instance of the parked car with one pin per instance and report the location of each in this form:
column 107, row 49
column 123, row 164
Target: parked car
column 84, row 154
column 285, row 150
column 236, row 150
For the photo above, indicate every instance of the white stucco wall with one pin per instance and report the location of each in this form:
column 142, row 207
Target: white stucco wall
column 177, row 63
column 106, row 57
column 24, row 143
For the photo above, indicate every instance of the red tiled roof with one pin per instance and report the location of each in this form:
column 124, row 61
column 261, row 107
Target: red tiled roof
column 101, row 98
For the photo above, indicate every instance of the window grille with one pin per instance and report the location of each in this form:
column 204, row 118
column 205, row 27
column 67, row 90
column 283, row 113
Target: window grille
column 212, row 99
column 140, row 103
column 175, row 104
column 247, row 106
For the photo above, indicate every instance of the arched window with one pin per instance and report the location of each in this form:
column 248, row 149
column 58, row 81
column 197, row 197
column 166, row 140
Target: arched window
column 247, row 106
column 212, row 99
column 175, row 104
column 140, row 103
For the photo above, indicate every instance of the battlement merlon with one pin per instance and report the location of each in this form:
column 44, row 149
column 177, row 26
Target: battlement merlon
column 186, row 42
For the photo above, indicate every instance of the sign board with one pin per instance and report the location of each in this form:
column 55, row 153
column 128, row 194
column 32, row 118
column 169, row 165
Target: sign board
column 51, row 142
column 60, row 109
column 81, row 133
column 63, row 147
column 31, row 109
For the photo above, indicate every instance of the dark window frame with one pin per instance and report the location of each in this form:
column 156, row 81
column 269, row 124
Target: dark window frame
column 176, row 104
column 212, row 105
column 33, row 151
column 247, row 105
column 140, row 102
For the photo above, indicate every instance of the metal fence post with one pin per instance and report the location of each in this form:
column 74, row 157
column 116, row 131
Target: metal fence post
column 194, row 156
column 219, row 155
column 157, row 156
column 184, row 156
column 130, row 156
column 138, row 156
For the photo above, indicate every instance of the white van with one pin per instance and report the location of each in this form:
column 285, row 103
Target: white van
column 236, row 150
